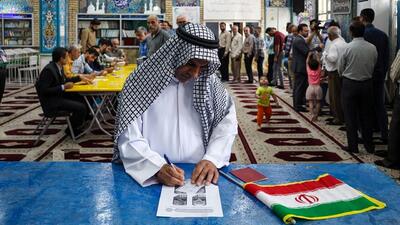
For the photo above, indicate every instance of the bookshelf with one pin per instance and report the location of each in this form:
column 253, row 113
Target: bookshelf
column 121, row 26
column 16, row 30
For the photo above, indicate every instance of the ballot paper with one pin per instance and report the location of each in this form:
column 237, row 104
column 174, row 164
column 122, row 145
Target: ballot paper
column 190, row 200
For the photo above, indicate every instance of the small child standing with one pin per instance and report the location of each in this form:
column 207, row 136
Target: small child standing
column 314, row 91
column 264, row 93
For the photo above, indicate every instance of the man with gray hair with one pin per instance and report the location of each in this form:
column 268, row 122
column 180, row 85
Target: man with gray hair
column 141, row 36
column 334, row 47
column 181, row 20
column 236, row 53
column 74, row 51
column 115, row 51
column 157, row 35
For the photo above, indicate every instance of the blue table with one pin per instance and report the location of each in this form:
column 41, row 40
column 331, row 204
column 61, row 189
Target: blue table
column 101, row 193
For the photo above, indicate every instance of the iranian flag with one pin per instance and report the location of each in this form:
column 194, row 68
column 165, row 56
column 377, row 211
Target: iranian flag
column 323, row 198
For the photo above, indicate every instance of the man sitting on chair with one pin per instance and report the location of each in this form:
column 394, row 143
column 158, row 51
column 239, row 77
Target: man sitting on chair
column 51, row 87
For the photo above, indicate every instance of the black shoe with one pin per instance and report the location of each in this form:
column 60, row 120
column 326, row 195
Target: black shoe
column 301, row 110
column 329, row 119
column 334, row 123
column 280, row 87
column 384, row 141
column 381, row 153
column 387, row 164
column 351, row 150
column 249, row 82
column 371, row 150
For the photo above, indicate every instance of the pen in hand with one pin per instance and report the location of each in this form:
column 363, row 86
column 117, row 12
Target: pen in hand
column 169, row 163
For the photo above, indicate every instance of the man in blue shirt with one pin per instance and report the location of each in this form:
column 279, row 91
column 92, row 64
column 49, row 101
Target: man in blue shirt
column 381, row 42
column 141, row 34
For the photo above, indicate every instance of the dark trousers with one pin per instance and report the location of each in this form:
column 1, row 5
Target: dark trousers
column 394, row 132
column 380, row 112
column 335, row 98
column 358, row 114
column 248, row 61
column 324, row 87
column 3, row 74
column 74, row 104
column 300, row 88
column 260, row 67
column 270, row 75
column 224, row 68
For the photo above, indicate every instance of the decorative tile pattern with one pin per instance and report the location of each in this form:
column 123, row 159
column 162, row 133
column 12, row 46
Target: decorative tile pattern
column 16, row 6
column 124, row 6
column 277, row 3
column 48, row 23
column 185, row 3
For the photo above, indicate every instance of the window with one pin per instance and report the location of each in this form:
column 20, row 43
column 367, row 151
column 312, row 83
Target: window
column 324, row 10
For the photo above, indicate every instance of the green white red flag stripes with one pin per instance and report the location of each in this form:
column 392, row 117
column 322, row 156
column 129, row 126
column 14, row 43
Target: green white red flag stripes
column 323, row 198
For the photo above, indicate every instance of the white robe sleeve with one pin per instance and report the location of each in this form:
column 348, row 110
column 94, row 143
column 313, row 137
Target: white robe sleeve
column 220, row 145
column 139, row 161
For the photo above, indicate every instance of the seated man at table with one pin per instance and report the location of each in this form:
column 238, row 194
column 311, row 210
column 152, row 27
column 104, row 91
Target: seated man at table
column 106, row 62
column 81, row 64
column 115, row 51
column 51, row 86
column 174, row 104
column 73, row 54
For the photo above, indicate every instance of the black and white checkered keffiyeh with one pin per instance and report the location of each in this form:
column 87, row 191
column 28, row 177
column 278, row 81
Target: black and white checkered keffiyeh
column 143, row 86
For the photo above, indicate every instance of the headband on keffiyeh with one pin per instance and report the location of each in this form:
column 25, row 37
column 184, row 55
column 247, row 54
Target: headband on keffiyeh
column 143, row 86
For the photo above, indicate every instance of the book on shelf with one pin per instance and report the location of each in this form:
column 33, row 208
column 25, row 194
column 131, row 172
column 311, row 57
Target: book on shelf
column 109, row 33
column 128, row 33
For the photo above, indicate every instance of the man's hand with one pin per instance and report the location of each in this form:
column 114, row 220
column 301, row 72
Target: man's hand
column 68, row 85
column 85, row 79
column 205, row 172
column 109, row 69
column 169, row 176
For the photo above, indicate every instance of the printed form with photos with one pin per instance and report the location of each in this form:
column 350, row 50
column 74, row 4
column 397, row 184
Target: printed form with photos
column 190, row 200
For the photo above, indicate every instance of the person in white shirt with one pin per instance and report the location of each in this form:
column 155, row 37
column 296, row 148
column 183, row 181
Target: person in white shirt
column 333, row 49
column 236, row 53
column 175, row 105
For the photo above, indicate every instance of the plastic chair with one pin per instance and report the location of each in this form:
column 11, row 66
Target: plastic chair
column 32, row 69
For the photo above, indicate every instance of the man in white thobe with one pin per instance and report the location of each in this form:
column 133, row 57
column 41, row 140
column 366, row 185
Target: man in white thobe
column 174, row 104
column 334, row 47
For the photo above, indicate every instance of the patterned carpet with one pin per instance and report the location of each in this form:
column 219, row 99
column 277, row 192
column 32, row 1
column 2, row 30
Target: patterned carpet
column 291, row 137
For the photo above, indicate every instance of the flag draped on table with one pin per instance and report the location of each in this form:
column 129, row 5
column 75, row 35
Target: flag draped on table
column 323, row 198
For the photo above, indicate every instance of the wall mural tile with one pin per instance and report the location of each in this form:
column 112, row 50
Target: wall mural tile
column 53, row 24
column 186, row 3
column 277, row 3
column 16, row 6
column 125, row 6
column 120, row 6
column 48, row 22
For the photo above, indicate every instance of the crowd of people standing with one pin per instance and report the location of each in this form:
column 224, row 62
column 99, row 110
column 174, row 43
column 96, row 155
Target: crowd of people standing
column 323, row 70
